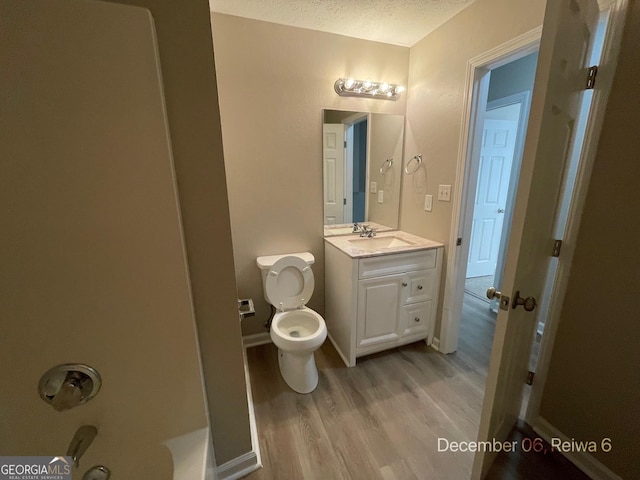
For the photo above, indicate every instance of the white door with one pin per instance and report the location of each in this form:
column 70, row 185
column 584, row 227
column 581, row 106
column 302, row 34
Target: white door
column 496, row 158
column 567, row 36
column 333, row 171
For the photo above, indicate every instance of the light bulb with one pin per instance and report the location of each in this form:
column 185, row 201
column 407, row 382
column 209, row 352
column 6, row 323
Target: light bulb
column 348, row 84
column 399, row 89
column 367, row 85
column 384, row 87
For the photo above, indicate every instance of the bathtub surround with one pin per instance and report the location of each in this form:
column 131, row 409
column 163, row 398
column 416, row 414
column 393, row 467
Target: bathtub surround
column 92, row 253
column 193, row 120
column 194, row 124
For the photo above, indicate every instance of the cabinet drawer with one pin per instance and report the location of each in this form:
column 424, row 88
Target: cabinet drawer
column 416, row 318
column 418, row 286
column 397, row 263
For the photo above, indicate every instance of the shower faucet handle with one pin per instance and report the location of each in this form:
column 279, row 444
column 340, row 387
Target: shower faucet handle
column 70, row 393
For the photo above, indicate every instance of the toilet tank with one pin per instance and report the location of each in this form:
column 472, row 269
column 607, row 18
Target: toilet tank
column 266, row 262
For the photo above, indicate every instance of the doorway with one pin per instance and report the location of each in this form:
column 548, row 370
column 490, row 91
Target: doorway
column 497, row 160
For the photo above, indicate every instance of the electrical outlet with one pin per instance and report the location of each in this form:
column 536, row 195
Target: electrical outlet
column 444, row 193
column 380, row 196
column 373, row 187
column 428, row 202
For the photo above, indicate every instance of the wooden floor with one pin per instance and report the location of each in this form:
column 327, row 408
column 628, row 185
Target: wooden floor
column 382, row 419
column 379, row 420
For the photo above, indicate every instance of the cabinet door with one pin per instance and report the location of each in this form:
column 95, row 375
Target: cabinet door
column 378, row 302
column 416, row 318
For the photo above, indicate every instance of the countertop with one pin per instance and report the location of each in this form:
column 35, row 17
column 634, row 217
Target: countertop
column 355, row 251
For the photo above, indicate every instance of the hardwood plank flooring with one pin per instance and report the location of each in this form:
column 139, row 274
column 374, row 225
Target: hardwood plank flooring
column 379, row 420
column 382, row 419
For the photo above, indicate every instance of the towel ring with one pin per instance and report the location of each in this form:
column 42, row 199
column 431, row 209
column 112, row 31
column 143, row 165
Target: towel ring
column 418, row 160
column 386, row 165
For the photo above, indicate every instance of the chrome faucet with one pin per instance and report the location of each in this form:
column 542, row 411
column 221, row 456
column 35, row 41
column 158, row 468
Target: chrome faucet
column 80, row 443
column 367, row 231
column 356, row 228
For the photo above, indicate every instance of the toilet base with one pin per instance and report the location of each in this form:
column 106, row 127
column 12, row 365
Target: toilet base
column 298, row 370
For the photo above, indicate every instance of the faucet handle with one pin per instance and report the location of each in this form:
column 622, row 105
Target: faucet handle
column 70, row 393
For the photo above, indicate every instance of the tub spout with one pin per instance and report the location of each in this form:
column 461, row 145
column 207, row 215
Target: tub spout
column 80, row 443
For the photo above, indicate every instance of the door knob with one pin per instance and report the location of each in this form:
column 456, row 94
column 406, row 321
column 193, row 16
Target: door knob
column 528, row 303
column 501, row 210
column 504, row 300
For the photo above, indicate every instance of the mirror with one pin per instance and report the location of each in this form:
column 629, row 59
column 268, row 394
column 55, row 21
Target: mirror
column 361, row 164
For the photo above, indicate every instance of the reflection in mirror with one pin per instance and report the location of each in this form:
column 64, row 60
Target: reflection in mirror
column 361, row 158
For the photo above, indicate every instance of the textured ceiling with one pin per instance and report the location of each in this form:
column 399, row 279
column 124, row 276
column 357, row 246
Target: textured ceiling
column 399, row 22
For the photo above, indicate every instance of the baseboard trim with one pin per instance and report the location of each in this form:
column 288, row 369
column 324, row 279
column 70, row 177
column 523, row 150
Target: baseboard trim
column 346, row 362
column 435, row 344
column 256, row 339
column 583, row 460
column 239, row 466
column 253, row 426
column 250, row 461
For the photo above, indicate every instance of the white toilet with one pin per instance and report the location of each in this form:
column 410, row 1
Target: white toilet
column 296, row 330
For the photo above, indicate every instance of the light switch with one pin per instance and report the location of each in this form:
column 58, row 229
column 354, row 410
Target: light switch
column 373, row 187
column 380, row 196
column 444, row 193
column 428, row 202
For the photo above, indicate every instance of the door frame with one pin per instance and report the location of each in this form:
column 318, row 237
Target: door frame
column 475, row 104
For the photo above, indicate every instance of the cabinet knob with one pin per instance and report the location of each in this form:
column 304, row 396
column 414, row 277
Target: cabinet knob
column 417, row 319
column 404, row 284
column 419, row 287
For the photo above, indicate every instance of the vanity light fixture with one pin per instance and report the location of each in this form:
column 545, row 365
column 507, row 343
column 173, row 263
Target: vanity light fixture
column 348, row 87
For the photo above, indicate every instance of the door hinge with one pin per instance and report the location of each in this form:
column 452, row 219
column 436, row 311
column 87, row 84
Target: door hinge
column 345, row 144
column 557, row 246
column 344, row 201
column 591, row 77
column 530, row 376
column 459, row 242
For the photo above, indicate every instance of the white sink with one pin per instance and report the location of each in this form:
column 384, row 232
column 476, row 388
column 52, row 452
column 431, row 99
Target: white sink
column 378, row 243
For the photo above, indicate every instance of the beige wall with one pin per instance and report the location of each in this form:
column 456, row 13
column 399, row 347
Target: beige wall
column 93, row 262
column 274, row 82
column 593, row 386
column 437, row 76
column 186, row 56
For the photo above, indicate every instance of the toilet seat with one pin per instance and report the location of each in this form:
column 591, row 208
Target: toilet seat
column 289, row 283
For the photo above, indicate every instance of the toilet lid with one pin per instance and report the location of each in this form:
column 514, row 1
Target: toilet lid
column 290, row 283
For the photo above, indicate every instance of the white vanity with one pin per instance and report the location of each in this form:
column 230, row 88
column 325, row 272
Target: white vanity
column 380, row 292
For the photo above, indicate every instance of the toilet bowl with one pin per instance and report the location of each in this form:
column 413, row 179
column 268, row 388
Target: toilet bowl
column 296, row 330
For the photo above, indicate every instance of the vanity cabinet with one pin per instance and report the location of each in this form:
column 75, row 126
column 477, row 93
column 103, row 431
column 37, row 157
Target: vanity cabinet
column 379, row 302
